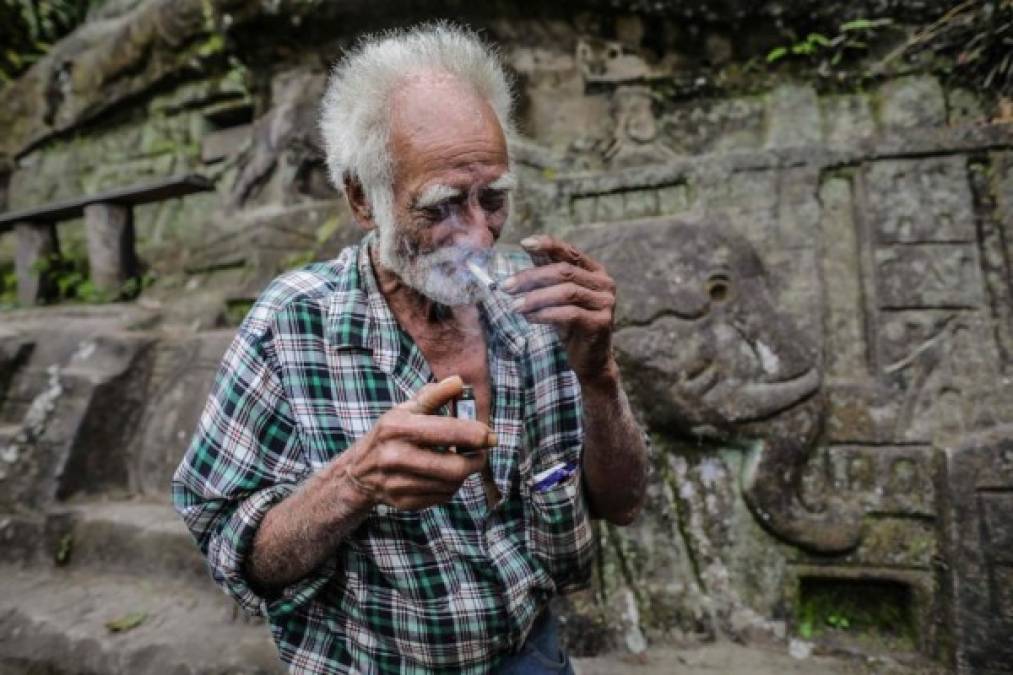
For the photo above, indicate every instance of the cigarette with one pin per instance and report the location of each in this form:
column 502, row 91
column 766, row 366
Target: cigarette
column 482, row 276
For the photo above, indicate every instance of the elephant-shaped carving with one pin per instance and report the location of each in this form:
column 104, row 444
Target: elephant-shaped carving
column 712, row 357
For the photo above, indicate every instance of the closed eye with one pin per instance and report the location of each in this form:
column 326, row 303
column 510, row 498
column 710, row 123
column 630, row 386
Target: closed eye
column 492, row 200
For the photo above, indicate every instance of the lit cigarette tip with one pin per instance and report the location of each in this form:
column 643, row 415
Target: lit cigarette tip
column 480, row 274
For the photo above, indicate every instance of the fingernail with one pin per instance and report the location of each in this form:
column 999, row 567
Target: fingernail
column 508, row 283
column 529, row 242
column 491, row 440
column 517, row 304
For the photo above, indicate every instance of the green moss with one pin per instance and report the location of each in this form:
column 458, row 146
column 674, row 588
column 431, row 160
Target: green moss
column 236, row 310
column 875, row 613
column 8, row 285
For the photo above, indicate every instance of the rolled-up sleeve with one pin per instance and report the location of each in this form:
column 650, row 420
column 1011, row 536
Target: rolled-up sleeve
column 244, row 458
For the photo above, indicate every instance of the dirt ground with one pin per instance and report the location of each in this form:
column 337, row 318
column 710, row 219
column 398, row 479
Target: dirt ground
column 728, row 658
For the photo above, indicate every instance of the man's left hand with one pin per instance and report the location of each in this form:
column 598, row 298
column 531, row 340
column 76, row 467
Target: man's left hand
column 574, row 293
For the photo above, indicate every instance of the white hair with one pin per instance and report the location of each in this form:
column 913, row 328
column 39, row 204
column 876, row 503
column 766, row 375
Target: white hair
column 355, row 115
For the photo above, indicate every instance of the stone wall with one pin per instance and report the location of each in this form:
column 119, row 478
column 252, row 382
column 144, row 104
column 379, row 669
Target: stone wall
column 815, row 320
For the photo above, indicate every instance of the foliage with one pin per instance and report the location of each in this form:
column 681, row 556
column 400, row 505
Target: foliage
column 64, row 548
column 8, row 286
column 852, row 38
column 71, row 282
column 971, row 43
column 28, row 28
column 976, row 37
column 877, row 611
column 125, row 623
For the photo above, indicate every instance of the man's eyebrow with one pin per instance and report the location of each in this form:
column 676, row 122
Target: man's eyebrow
column 434, row 194
column 504, row 183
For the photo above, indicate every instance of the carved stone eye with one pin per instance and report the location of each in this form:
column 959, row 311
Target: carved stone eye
column 719, row 287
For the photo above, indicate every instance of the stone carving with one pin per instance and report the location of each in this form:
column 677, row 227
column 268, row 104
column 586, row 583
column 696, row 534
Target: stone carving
column 929, row 275
column 610, row 62
column 920, row 200
column 635, row 138
column 979, row 513
column 284, row 140
column 709, row 356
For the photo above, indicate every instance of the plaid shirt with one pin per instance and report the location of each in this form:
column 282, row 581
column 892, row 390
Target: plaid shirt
column 450, row 588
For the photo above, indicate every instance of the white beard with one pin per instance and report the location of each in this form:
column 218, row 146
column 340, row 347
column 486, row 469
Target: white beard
column 440, row 275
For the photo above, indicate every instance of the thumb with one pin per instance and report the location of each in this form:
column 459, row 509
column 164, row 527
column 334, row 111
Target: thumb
column 429, row 398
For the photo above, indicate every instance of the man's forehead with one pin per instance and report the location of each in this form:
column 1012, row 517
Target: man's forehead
column 448, row 135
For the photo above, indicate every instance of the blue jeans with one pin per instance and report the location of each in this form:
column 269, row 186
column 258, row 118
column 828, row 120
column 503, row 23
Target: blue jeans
column 541, row 653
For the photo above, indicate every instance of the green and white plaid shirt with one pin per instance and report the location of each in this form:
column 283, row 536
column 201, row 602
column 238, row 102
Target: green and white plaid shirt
column 451, row 588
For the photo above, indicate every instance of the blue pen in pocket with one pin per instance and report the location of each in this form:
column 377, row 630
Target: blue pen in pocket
column 553, row 476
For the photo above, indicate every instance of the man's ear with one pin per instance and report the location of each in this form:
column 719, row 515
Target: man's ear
column 359, row 203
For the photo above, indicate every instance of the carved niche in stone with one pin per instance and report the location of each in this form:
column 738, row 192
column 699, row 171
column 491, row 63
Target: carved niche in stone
column 709, row 356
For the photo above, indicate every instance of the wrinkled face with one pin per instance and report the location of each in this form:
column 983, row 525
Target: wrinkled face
column 451, row 187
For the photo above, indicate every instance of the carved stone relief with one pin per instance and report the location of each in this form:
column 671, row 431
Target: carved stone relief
column 710, row 360
column 979, row 517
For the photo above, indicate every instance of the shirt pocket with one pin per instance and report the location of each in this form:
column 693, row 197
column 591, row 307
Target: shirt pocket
column 405, row 554
column 560, row 535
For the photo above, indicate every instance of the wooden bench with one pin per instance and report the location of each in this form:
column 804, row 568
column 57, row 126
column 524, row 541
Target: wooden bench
column 109, row 227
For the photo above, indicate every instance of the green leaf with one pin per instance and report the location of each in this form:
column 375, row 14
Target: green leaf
column 125, row 623
column 818, row 39
column 777, row 53
column 865, row 24
column 805, row 629
column 64, row 548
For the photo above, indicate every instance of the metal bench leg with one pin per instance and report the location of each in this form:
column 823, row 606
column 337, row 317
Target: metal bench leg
column 111, row 255
column 36, row 243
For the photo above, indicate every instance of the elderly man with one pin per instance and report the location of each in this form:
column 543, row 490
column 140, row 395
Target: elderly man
column 328, row 483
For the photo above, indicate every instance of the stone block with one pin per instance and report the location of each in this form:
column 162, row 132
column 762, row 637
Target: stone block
column 979, row 510
column 640, row 203
column 36, row 244
column 673, row 199
column 913, row 101
column 844, row 330
column 610, row 207
column 928, row 275
column 751, row 190
column 942, row 365
column 793, row 117
column 896, row 480
column 926, row 200
column 112, row 259
column 716, row 126
column 922, row 592
column 964, row 107
column 847, row 119
column 584, row 209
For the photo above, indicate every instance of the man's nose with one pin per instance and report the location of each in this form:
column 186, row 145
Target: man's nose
column 476, row 227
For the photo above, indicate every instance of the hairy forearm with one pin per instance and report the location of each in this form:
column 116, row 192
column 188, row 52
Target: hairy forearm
column 615, row 456
column 298, row 534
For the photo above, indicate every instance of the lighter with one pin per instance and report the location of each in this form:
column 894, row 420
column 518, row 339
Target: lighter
column 465, row 407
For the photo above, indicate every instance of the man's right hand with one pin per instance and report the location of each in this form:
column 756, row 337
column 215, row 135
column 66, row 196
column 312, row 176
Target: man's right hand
column 395, row 463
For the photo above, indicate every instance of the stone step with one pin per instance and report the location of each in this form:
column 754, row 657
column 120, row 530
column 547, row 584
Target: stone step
column 55, row 622
column 137, row 538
